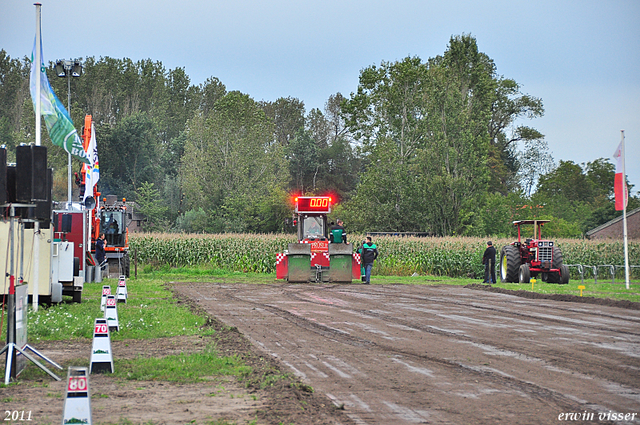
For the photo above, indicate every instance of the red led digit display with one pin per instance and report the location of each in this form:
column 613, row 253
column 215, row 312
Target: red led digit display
column 320, row 204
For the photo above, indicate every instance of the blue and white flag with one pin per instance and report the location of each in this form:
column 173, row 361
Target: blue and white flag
column 56, row 117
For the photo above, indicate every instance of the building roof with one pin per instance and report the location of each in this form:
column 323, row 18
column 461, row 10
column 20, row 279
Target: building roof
column 611, row 222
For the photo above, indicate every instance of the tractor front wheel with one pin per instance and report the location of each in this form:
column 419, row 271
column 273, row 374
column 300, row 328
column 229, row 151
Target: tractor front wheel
column 509, row 264
column 524, row 275
column 564, row 274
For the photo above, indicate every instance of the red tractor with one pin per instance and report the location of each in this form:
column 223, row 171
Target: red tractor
column 519, row 262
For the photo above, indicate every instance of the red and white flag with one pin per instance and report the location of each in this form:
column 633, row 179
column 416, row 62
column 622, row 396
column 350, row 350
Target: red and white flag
column 92, row 171
column 619, row 185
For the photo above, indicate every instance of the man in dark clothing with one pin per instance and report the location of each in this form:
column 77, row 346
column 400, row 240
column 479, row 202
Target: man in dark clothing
column 369, row 254
column 100, row 253
column 489, row 261
column 337, row 233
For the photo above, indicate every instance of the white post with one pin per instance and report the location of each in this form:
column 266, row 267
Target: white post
column 69, row 168
column 36, row 230
column 624, row 216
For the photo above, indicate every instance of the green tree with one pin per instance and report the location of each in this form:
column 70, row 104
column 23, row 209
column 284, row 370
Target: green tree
column 230, row 164
column 338, row 161
column 129, row 156
column 386, row 115
column 509, row 106
column 287, row 115
column 304, row 163
column 423, row 128
column 580, row 196
column 152, row 206
column 14, row 97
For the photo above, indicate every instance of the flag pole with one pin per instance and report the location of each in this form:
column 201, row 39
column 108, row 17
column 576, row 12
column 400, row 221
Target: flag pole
column 624, row 215
column 36, row 230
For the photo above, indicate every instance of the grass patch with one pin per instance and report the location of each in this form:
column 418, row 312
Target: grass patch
column 601, row 289
column 151, row 311
column 182, row 368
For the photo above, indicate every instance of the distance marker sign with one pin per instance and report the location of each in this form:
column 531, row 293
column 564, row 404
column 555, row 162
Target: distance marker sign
column 121, row 294
column 106, row 291
column 77, row 402
column 101, row 355
column 111, row 313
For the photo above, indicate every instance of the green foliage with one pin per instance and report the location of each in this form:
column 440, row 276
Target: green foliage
column 192, row 221
column 151, row 205
column 424, row 129
column 399, row 256
column 133, row 156
column 432, row 145
column 231, row 167
column 577, row 197
column 237, row 252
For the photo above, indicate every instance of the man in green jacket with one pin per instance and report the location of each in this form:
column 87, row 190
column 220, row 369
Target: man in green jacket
column 369, row 255
column 337, row 233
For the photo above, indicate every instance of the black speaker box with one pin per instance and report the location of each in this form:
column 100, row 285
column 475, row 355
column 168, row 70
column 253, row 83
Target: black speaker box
column 67, row 220
column 40, row 179
column 31, row 177
column 11, row 185
column 42, row 210
column 3, row 176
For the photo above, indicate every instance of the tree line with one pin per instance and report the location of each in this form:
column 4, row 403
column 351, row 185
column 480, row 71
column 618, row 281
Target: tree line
column 435, row 146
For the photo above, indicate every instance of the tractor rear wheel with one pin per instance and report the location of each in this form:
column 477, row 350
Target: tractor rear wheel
column 509, row 264
column 525, row 275
column 557, row 264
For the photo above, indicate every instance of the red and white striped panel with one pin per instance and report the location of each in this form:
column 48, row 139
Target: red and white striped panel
column 282, row 266
column 320, row 259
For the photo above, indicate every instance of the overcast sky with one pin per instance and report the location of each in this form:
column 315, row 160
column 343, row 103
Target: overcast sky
column 581, row 57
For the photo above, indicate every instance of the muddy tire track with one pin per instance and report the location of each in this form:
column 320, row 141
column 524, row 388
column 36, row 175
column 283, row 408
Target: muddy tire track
column 385, row 357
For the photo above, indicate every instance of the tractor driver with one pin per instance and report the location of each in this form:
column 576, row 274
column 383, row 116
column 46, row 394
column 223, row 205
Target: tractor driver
column 337, row 233
column 112, row 225
column 313, row 227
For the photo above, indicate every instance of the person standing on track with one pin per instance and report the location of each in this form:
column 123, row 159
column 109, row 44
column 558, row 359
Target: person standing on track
column 489, row 261
column 369, row 255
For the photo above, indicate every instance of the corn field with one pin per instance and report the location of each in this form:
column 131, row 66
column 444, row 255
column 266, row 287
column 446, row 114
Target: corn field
column 400, row 256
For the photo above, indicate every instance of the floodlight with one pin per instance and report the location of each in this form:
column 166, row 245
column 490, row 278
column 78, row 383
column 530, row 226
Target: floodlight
column 77, row 69
column 60, row 71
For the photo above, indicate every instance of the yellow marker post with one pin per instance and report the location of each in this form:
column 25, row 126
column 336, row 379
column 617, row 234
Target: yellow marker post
column 581, row 287
column 532, row 282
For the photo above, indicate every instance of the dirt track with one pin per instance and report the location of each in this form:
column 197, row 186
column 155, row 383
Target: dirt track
column 401, row 354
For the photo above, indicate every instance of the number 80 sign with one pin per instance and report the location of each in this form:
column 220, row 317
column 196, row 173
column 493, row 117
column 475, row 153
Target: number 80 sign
column 77, row 384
